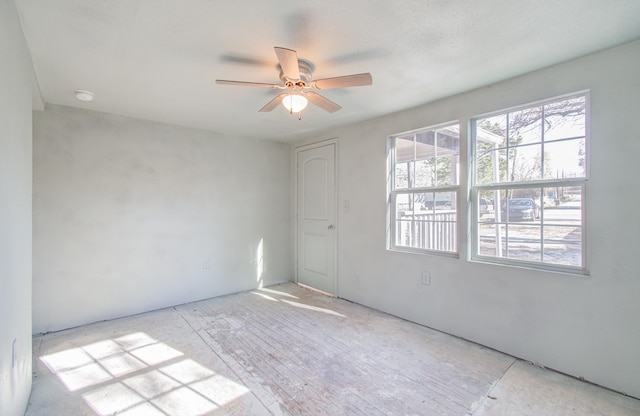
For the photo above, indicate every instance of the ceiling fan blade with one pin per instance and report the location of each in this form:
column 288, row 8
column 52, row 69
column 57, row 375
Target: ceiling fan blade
column 245, row 60
column 247, row 84
column 356, row 80
column 322, row 102
column 288, row 59
column 273, row 103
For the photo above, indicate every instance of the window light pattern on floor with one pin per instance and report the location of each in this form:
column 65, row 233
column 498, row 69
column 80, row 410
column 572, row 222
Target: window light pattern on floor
column 139, row 375
column 297, row 304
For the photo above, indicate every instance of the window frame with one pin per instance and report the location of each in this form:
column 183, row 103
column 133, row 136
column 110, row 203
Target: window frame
column 393, row 192
column 476, row 189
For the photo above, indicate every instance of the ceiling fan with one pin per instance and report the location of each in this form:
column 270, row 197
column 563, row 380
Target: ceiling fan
column 299, row 86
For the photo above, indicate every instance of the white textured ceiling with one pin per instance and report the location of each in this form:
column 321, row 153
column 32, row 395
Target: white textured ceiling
column 158, row 59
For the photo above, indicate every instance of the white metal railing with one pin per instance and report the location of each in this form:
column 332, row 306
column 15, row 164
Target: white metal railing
column 430, row 231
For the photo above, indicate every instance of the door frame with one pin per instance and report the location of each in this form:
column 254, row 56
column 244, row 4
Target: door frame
column 296, row 151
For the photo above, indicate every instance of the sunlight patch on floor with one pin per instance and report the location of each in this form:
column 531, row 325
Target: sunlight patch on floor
column 139, row 375
column 278, row 292
column 312, row 308
column 292, row 303
column 262, row 295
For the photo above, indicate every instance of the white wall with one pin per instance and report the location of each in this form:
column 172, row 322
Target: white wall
column 584, row 326
column 131, row 216
column 15, row 214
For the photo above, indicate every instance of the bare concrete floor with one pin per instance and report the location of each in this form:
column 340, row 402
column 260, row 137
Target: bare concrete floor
column 286, row 350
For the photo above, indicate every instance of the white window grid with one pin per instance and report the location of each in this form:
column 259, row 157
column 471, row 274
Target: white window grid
column 437, row 231
column 476, row 190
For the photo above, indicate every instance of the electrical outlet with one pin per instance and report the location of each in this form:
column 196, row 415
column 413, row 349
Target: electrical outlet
column 426, row 278
column 345, row 204
column 206, row 265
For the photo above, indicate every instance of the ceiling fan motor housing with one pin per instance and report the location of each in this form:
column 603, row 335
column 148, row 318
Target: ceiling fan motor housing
column 306, row 69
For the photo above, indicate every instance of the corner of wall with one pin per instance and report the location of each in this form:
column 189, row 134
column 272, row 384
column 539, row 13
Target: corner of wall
column 15, row 217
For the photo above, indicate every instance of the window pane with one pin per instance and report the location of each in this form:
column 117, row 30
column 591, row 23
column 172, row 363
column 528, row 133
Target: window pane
column 404, row 205
column 563, row 245
column 431, row 234
column 491, row 238
column 404, row 148
column 426, row 220
column 565, row 159
column 492, row 130
column 563, row 206
column 445, row 200
column 402, row 175
column 491, row 167
column 425, row 173
column 431, row 158
column 565, row 119
column 524, row 242
column 525, row 163
column 525, row 126
column 425, row 145
column 404, row 216
column 447, row 170
column 404, row 233
column 483, row 147
column 448, row 141
column 424, row 202
column 435, row 228
column 521, row 205
column 543, row 225
column 550, row 201
column 486, row 205
column 430, row 201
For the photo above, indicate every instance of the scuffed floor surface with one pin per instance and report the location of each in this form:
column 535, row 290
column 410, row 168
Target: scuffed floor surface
column 286, row 350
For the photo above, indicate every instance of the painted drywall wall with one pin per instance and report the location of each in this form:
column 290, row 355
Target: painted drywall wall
column 15, row 214
column 131, row 216
column 584, row 326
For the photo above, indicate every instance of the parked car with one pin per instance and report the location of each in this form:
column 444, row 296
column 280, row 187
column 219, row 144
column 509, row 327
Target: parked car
column 521, row 209
column 485, row 207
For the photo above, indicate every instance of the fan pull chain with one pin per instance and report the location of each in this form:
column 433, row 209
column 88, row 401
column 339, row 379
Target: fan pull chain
column 290, row 94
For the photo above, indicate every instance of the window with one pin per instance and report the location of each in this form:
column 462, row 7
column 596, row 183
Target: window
column 423, row 189
column 528, row 185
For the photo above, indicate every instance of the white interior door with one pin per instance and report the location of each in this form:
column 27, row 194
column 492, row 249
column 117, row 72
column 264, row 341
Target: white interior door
column 316, row 218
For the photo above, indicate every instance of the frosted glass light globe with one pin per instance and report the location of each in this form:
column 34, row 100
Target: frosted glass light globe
column 294, row 103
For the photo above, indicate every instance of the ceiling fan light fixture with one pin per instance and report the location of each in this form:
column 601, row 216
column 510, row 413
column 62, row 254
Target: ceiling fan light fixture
column 294, row 102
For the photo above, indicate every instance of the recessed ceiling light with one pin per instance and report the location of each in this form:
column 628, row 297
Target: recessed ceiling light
column 84, row 95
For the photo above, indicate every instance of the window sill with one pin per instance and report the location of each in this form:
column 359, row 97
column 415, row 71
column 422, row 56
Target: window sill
column 420, row 251
column 537, row 267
